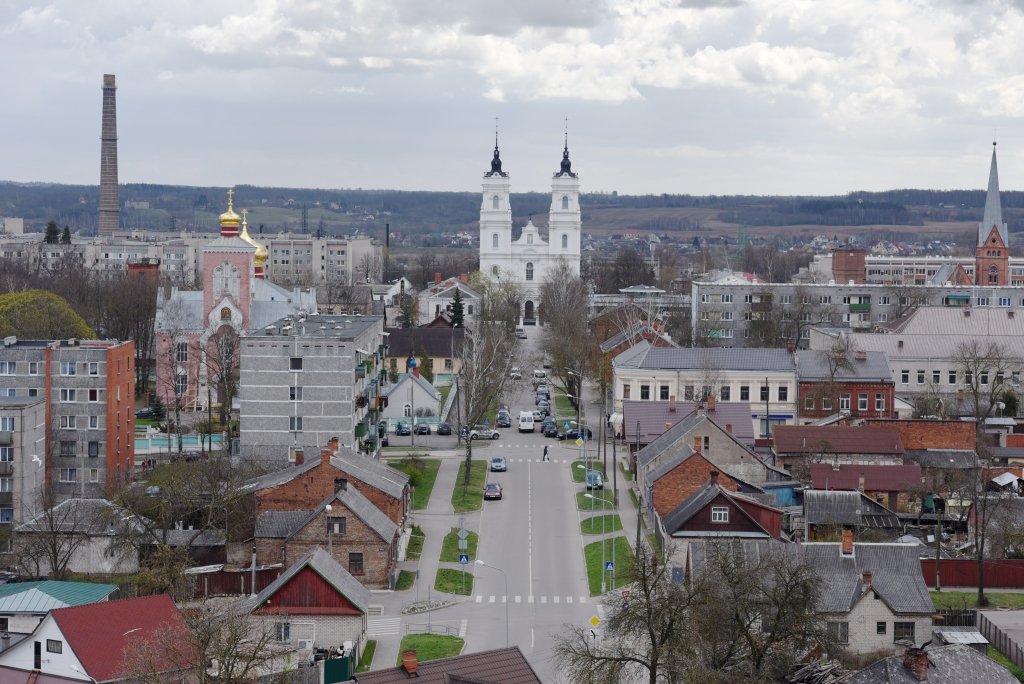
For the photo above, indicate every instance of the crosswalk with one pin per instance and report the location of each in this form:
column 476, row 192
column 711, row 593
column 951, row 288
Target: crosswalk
column 534, row 460
column 542, row 600
column 383, row 626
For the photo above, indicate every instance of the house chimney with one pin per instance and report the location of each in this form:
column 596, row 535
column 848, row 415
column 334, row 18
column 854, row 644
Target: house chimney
column 437, row 277
column 790, row 347
column 847, row 547
column 866, row 577
column 860, row 483
column 325, row 456
column 672, row 403
column 333, row 444
column 464, row 278
column 712, row 400
column 714, row 477
column 696, row 444
column 300, row 457
column 409, row 661
column 416, row 371
column 916, row 662
column 728, row 428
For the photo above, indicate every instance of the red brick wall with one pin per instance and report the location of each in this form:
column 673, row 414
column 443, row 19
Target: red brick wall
column 676, row 486
column 702, row 520
column 120, row 437
column 853, row 389
column 847, row 265
column 930, row 434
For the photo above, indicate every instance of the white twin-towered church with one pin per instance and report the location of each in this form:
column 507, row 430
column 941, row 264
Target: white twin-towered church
column 527, row 261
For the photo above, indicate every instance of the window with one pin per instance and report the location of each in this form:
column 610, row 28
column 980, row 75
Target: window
column 783, row 393
column 764, row 392
column 67, row 395
column 54, row 646
column 7, row 367
column 983, row 377
column 719, row 514
column 336, row 524
column 6, row 484
column 936, row 377
column 826, row 403
column 787, row 299
column 33, row 392
column 494, row 241
column 862, row 401
column 283, row 632
column 6, row 454
column 839, row 632
column 94, row 474
column 727, row 299
column 884, row 301
column 565, row 201
column 625, row 391
column 663, row 393
column 565, row 241
column 295, row 363
column 809, row 402
column 181, row 384
column 952, row 377
column 68, row 474
column 529, row 270
column 903, row 631
column 645, row 392
column 33, row 368
column 844, row 402
column 69, row 422
column 68, row 448
column 879, row 628
column 920, row 377
column 825, row 299
column 495, row 202
column 7, row 424
column 355, row 563
column 295, row 393
column 181, row 352
column 448, row 364
column 407, row 411
column 880, row 402
column 904, row 377
column 725, row 393
column 1004, row 301
column 744, row 393
column 11, row 392
column 94, row 449
column 94, row 422
column 295, row 423
column 67, row 368
column 688, row 393
column 94, row 368
column 6, row 516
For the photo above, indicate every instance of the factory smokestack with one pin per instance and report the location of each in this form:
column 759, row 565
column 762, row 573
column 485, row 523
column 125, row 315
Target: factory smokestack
column 110, row 206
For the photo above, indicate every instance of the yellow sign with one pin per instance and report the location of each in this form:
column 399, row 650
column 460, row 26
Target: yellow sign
column 579, row 442
column 595, row 621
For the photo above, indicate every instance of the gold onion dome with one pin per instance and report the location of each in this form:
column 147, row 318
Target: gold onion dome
column 229, row 219
column 262, row 254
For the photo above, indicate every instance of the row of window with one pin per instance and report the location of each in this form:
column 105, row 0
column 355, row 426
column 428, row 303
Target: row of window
column 71, row 422
column 71, row 474
column 901, row 631
column 69, row 448
column 529, row 240
column 844, row 402
column 951, row 376
column 70, row 396
column 788, row 299
column 66, row 367
column 693, row 392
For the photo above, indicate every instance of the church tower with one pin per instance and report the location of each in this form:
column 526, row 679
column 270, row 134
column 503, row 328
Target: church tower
column 565, row 226
column 495, row 219
column 992, row 256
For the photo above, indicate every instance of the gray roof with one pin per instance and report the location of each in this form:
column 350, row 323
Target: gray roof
column 279, row 477
column 846, row 508
column 316, row 325
column 643, row 355
column 371, row 471
column 943, row 458
column 328, row 568
column 363, row 508
column 814, row 365
column 636, row 330
column 94, row 517
column 936, row 331
column 284, row 524
column 953, row 664
column 418, row 379
column 669, row 438
column 183, row 310
column 280, row 524
column 435, row 342
column 652, row 416
column 196, row 538
column 993, row 215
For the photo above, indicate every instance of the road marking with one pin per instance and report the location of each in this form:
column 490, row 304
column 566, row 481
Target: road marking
column 529, row 599
column 383, row 626
column 555, row 598
column 518, row 598
column 568, row 599
column 529, row 524
column 543, row 599
column 583, row 599
column 479, row 599
column 462, row 628
column 490, row 599
column 531, row 637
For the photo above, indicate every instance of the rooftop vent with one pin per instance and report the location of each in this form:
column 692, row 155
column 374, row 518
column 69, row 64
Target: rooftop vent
column 270, row 330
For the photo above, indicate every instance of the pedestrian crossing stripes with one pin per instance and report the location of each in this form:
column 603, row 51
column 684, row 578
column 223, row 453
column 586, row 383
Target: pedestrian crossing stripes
column 531, row 460
column 479, row 598
column 383, row 626
column 462, row 628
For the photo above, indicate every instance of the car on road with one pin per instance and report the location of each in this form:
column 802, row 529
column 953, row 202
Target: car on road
column 544, row 403
column 444, row 429
column 483, row 432
column 403, row 430
column 594, row 480
column 550, row 430
column 539, row 415
column 492, row 490
column 498, row 464
column 150, row 412
column 503, row 420
column 573, row 433
column 422, row 429
column 515, row 373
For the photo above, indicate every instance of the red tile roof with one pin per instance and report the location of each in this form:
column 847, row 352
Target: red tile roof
column 801, row 439
column 877, row 478
column 100, row 633
column 500, row 666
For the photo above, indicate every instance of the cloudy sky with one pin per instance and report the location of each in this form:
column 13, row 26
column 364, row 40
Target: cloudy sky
column 678, row 96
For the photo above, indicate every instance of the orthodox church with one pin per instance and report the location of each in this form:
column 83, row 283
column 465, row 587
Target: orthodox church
column 194, row 326
column 527, row 260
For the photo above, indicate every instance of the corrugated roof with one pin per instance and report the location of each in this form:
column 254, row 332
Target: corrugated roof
column 435, row 342
column 652, row 416
column 500, row 666
column 846, row 508
column 953, row 664
column 371, row 471
column 815, row 365
column 834, row 439
column 325, row 566
column 364, row 509
column 877, row 478
column 936, row 331
column 279, row 524
column 943, row 458
column 42, row 597
column 279, row 477
column 643, row 355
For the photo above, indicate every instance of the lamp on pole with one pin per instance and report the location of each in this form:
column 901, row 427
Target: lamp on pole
column 330, row 531
column 505, row 577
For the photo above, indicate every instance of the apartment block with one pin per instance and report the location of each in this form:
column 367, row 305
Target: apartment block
column 22, row 449
column 307, row 379
column 89, row 388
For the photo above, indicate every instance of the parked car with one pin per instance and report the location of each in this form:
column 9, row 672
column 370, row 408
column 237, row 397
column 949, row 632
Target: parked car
column 503, row 420
column 492, row 491
column 444, row 429
column 403, row 430
column 498, row 464
column 483, row 432
column 539, row 415
column 515, row 373
column 150, row 412
column 573, row 433
column 594, row 480
column 550, row 430
column 544, row 403
column 422, row 429
column 521, row 333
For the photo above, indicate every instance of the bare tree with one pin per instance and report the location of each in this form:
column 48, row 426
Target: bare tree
column 501, row 299
column 49, row 541
column 565, row 338
column 174, row 361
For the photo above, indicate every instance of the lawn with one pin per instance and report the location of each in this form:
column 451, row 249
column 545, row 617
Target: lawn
column 405, row 580
column 416, row 539
column 623, row 557
column 995, row 655
column 450, row 546
column 578, row 473
column 564, row 405
column 422, row 473
column 366, row 660
column 964, row 600
column 600, row 524
column 454, row 582
column 430, row 646
column 632, row 497
column 444, row 391
column 585, row 504
column 472, row 497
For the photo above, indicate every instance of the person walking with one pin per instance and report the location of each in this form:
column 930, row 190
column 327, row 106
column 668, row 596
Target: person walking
column 545, row 453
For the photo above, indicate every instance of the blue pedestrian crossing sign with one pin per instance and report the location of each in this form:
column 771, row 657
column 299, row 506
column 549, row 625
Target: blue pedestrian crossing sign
column 464, row 558
column 609, row 566
column 565, row 425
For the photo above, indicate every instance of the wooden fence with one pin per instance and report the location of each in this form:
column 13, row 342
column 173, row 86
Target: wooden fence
column 963, row 572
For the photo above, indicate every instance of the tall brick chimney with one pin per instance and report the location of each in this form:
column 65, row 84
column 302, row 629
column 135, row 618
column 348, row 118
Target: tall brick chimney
column 464, row 278
column 300, row 457
column 416, row 370
column 110, row 205
column 847, row 546
column 325, row 456
column 916, row 662
column 437, row 277
column 866, row 577
column 672, row 403
column 712, row 400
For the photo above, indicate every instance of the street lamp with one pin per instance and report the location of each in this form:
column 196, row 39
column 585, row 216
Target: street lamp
column 590, row 496
column 505, row 577
column 330, row 531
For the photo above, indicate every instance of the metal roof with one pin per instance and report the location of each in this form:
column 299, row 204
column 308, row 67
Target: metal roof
column 815, row 365
column 960, row 459
column 328, row 568
column 41, row 597
column 378, row 475
column 846, row 508
column 652, row 416
column 877, row 478
column 834, row 439
column 644, row 355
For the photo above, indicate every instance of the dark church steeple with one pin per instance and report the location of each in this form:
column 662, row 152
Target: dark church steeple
column 496, row 161
column 566, row 169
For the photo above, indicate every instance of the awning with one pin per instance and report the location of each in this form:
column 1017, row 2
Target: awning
column 362, row 351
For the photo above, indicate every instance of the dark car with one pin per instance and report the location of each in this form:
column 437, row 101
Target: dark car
column 403, row 430
column 422, row 429
column 549, row 430
column 594, row 480
column 146, row 412
column 492, row 491
column 503, row 420
column 573, row 433
column 444, row 429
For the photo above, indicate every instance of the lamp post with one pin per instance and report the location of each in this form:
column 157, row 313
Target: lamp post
column 505, row 577
column 330, row 531
column 590, row 496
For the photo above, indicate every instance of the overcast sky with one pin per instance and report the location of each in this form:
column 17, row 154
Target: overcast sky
column 677, row 96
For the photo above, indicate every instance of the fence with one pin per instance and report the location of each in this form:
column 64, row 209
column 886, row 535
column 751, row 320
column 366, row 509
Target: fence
column 1001, row 640
column 963, row 572
column 225, row 583
column 951, row 617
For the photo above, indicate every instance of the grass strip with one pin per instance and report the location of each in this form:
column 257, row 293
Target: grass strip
column 471, row 497
column 366, row 660
column 452, row 581
column 430, row 646
column 616, row 550
column 416, row 541
column 967, row 600
column 601, row 524
column 450, row 546
column 585, row 503
column 422, row 474
column 405, row 580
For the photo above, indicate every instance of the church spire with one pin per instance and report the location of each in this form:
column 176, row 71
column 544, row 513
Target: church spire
column 566, row 169
column 993, row 215
column 496, row 161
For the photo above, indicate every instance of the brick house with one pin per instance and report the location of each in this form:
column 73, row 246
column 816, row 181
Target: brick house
column 316, row 603
column 859, row 384
column 929, row 434
column 358, row 535
column 678, row 477
column 891, row 485
column 801, row 445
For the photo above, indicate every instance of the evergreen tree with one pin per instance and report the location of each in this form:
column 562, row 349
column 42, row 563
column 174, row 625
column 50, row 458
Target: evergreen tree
column 426, row 368
column 65, row 237
column 458, row 313
column 52, row 236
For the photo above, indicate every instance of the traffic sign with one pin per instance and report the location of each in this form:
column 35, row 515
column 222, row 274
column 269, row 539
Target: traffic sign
column 463, row 558
column 462, row 534
column 565, row 425
column 595, row 621
column 609, row 566
column 463, row 544
column 579, row 442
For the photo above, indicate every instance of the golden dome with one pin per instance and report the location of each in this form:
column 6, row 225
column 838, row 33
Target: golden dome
column 229, row 219
column 262, row 254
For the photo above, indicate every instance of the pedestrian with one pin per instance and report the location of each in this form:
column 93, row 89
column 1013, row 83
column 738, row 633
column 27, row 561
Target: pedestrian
column 545, row 452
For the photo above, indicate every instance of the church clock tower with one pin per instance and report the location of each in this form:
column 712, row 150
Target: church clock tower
column 564, row 223
column 495, row 219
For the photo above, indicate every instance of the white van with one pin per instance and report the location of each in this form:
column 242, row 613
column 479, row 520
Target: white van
column 526, row 421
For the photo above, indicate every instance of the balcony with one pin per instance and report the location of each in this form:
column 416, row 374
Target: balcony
column 860, row 308
column 6, row 468
column 360, row 371
column 6, row 498
column 6, row 438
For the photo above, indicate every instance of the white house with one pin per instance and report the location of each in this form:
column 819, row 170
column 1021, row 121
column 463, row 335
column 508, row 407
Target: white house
column 411, row 395
column 436, row 300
